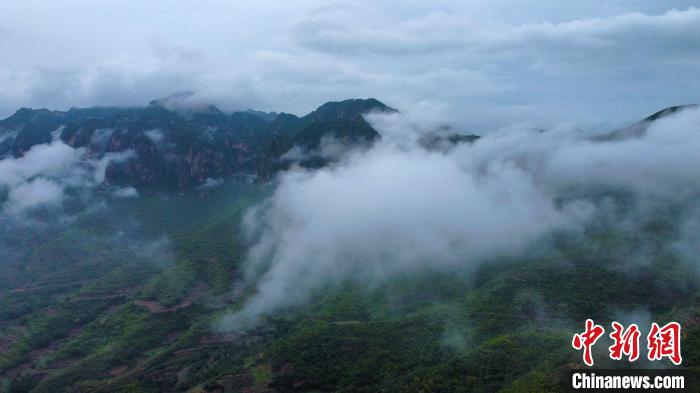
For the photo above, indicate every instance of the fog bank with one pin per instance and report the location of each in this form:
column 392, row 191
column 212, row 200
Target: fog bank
column 400, row 208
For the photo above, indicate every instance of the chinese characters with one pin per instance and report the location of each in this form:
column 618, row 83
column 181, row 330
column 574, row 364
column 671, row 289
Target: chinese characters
column 662, row 342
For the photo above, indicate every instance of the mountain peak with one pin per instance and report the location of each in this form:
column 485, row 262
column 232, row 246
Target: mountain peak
column 27, row 116
column 348, row 109
column 173, row 99
column 185, row 101
column 639, row 128
column 669, row 111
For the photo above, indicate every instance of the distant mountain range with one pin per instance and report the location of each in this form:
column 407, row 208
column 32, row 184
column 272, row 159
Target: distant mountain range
column 181, row 146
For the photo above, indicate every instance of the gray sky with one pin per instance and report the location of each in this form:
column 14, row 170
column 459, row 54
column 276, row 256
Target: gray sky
column 480, row 63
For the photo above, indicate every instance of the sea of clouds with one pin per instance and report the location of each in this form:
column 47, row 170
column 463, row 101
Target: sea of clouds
column 400, row 208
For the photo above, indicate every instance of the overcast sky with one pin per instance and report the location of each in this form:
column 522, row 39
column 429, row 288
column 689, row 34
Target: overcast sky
column 480, row 63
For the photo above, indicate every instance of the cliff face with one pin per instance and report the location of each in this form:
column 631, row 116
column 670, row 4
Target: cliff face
column 339, row 123
column 176, row 147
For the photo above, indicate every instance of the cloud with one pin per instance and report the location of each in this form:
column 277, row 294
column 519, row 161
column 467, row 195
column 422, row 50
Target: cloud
column 389, row 212
column 687, row 246
column 329, row 148
column 126, row 192
column 516, row 68
column 400, row 209
column 156, row 136
column 662, row 164
column 211, row 183
column 100, row 166
column 50, row 159
column 40, row 177
column 29, row 195
column 491, row 62
column 339, row 30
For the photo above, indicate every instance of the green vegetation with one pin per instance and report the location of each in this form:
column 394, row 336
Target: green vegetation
column 88, row 311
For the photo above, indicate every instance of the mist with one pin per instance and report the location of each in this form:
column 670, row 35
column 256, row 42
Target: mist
column 399, row 208
column 491, row 65
column 55, row 190
column 42, row 175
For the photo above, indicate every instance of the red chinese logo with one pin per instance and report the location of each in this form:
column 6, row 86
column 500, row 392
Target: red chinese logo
column 625, row 342
column 665, row 342
column 586, row 339
column 662, row 342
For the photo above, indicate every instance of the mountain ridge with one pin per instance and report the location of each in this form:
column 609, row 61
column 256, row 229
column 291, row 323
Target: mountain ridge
column 639, row 128
column 180, row 145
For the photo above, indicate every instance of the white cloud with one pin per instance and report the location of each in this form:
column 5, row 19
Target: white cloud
column 399, row 208
column 391, row 211
column 491, row 62
column 51, row 159
column 32, row 194
column 41, row 175
column 211, row 183
column 100, row 166
column 156, row 136
column 126, row 192
column 342, row 31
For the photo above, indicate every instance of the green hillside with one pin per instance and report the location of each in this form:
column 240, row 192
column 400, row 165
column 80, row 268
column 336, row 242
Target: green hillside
column 90, row 312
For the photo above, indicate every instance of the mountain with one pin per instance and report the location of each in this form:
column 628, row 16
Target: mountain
column 638, row 129
column 128, row 294
column 179, row 144
column 347, row 110
column 26, row 128
column 341, row 123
